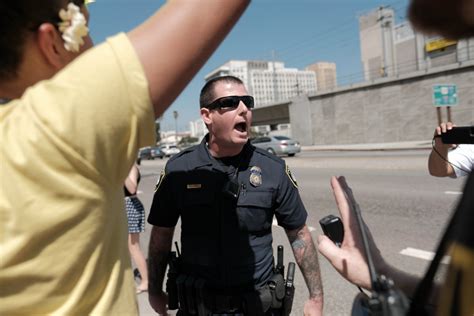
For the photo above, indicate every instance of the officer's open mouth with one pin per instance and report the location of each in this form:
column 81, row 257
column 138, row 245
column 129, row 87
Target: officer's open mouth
column 241, row 127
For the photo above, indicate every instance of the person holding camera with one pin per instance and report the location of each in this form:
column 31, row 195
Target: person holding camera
column 449, row 160
column 72, row 118
column 226, row 193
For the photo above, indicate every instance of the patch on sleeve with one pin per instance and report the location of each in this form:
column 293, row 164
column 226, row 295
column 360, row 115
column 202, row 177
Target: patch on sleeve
column 290, row 175
column 160, row 179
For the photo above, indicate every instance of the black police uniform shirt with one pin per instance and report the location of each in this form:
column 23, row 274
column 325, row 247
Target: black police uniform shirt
column 226, row 240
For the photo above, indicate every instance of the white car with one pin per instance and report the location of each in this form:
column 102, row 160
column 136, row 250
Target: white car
column 169, row 150
column 277, row 145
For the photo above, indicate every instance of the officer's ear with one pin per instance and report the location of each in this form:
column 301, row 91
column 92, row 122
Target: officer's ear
column 206, row 115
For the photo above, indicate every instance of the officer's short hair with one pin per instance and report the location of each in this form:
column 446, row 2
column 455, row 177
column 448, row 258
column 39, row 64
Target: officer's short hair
column 207, row 92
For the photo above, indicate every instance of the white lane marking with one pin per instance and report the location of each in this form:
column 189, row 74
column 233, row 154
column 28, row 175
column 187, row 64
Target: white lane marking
column 453, row 192
column 422, row 254
column 311, row 228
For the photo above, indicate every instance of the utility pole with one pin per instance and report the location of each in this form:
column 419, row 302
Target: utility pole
column 175, row 115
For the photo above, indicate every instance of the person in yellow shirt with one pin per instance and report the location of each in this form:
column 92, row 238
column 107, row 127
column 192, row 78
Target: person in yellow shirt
column 71, row 121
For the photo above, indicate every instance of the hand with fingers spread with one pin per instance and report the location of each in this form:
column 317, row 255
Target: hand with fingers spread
column 349, row 260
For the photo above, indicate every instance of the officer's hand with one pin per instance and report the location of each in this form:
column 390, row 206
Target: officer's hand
column 158, row 302
column 313, row 307
column 349, row 260
column 441, row 129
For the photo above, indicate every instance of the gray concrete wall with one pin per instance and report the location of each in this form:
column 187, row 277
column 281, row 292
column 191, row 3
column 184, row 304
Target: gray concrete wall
column 388, row 110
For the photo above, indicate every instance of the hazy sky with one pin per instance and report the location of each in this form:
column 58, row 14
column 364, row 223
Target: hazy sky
column 299, row 32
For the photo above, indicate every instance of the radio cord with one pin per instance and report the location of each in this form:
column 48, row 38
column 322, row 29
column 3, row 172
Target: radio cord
column 439, row 154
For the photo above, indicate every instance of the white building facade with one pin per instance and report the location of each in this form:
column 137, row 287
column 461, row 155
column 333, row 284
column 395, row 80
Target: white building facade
column 269, row 82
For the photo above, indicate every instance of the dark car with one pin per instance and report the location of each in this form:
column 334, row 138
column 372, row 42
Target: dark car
column 149, row 153
column 277, row 145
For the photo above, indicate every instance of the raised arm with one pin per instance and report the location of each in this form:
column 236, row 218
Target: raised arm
column 158, row 251
column 176, row 42
column 307, row 259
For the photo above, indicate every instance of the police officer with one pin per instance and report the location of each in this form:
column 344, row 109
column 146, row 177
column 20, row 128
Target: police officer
column 226, row 192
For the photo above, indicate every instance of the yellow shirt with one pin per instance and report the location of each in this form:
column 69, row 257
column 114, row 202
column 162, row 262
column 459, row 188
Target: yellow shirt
column 66, row 148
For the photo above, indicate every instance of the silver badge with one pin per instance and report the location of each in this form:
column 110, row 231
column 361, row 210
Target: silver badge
column 256, row 176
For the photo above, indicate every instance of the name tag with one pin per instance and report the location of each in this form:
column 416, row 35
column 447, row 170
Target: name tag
column 193, row 186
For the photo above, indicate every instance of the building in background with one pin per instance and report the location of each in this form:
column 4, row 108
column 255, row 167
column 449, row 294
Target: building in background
column 267, row 81
column 171, row 138
column 390, row 49
column 197, row 128
column 375, row 32
column 326, row 76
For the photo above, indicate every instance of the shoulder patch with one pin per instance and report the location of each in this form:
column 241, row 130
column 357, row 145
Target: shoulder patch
column 290, row 176
column 160, row 179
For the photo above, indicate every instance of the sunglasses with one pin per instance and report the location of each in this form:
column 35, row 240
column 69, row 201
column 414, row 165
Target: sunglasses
column 231, row 102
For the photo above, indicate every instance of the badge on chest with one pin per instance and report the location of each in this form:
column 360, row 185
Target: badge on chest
column 255, row 176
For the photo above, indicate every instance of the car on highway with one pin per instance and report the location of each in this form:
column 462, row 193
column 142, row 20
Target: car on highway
column 277, row 145
column 169, row 150
column 149, row 153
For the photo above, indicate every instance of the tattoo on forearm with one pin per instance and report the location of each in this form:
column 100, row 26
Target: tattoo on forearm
column 307, row 259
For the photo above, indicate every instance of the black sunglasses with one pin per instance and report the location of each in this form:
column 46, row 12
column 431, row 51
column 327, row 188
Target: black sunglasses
column 231, row 102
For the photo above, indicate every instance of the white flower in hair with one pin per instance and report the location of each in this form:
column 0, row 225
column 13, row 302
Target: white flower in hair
column 73, row 27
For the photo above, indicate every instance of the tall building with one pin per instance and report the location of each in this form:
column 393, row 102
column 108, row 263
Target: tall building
column 325, row 75
column 375, row 32
column 390, row 49
column 268, row 82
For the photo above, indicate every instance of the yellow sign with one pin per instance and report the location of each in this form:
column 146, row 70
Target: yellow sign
column 439, row 44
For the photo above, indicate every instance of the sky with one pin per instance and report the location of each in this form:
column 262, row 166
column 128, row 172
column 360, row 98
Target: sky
column 296, row 32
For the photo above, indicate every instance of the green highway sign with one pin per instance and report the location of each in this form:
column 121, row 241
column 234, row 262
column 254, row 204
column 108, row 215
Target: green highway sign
column 445, row 95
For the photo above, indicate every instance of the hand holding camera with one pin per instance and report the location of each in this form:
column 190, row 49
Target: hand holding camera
column 449, row 134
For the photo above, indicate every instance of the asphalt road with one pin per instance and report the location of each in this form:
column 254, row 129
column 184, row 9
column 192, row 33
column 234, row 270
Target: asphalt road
column 405, row 208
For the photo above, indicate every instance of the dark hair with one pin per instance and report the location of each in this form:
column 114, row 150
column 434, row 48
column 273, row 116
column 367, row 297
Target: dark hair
column 207, row 92
column 17, row 19
column 441, row 17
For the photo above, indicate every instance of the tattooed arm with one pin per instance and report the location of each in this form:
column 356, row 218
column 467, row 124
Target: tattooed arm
column 307, row 259
column 158, row 251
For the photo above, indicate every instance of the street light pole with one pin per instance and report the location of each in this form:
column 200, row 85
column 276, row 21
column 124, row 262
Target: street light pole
column 175, row 115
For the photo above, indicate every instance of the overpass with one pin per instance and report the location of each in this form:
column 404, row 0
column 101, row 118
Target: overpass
column 272, row 114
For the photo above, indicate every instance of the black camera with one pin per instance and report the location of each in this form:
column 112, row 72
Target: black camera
column 459, row 135
column 333, row 228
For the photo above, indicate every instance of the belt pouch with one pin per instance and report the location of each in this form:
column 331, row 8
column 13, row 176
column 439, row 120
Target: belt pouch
column 277, row 290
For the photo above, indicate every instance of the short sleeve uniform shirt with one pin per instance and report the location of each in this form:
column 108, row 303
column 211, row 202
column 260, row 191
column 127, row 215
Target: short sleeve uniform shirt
column 225, row 239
